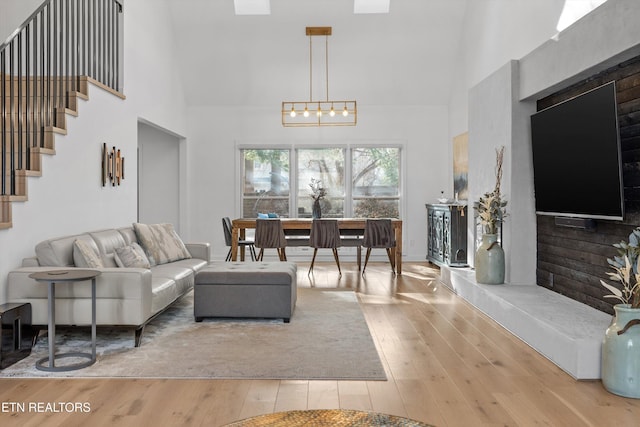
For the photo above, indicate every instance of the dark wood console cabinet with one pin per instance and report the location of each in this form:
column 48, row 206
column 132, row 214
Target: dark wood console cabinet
column 447, row 234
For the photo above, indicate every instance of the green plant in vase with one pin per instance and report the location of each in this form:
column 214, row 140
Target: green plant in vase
column 491, row 209
column 621, row 344
column 625, row 267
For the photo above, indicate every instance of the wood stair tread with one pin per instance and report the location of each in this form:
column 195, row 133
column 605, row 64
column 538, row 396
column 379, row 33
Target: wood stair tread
column 54, row 129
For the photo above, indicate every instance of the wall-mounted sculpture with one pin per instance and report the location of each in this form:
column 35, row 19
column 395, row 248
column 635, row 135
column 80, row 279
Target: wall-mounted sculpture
column 112, row 166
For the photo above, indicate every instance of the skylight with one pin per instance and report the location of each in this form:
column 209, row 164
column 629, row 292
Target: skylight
column 574, row 10
column 371, row 6
column 252, row 7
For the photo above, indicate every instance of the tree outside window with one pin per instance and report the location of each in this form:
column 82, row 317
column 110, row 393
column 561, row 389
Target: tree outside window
column 265, row 176
column 376, row 182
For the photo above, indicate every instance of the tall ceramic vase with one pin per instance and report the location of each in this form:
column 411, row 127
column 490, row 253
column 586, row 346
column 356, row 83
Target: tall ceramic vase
column 489, row 261
column 621, row 353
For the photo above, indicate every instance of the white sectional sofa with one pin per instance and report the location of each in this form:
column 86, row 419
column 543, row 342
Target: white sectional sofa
column 126, row 296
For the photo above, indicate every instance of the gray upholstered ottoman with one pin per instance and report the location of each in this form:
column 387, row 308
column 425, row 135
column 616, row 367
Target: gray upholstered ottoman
column 245, row 289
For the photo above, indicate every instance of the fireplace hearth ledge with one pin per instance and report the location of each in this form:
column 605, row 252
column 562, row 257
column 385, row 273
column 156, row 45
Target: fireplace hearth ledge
column 567, row 332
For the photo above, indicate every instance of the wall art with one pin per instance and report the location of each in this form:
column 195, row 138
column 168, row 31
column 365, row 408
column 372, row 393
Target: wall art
column 112, row 166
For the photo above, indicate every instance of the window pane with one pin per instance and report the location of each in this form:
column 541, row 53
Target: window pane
column 376, row 172
column 376, row 208
column 265, row 176
column 327, row 166
column 376, row 182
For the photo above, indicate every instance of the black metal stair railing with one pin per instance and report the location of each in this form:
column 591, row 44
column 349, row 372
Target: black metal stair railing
column 41, row 66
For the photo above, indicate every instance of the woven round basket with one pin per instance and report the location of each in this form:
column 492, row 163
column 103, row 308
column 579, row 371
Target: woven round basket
column 327, row 417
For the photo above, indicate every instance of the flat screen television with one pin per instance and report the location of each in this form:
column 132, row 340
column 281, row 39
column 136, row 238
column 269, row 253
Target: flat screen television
column 577, row 161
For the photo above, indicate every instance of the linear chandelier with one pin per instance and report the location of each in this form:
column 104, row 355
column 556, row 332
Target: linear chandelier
column 316, row 112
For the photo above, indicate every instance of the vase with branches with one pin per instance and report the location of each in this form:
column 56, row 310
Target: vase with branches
column 318, row 192
column 491, row 206
column 621, row 344
column 491, row 209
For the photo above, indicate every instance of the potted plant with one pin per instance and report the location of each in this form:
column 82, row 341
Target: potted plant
column 621, row 344
column 318, row 192
column 491, row 209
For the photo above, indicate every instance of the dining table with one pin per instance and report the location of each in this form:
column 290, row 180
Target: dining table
column 299, row 225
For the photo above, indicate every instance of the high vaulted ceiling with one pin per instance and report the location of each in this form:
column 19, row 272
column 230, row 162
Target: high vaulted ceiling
column 406, row 57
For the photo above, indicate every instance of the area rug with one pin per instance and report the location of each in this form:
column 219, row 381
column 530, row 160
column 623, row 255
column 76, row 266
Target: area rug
column 328, row 338
column 328, row 418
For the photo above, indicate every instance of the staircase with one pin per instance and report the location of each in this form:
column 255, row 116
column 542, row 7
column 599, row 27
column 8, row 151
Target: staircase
column 46, row 66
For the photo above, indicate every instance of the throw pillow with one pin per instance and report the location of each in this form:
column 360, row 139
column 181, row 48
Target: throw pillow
column 263, row 215
column 131, row 256
column 86, row 255
column 161, row 243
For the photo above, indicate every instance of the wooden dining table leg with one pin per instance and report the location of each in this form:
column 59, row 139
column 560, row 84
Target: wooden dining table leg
column 399, row 250
column 234, row 243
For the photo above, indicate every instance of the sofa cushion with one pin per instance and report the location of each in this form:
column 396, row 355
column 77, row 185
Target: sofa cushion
column 108, row 241
column 57, row 252
column 164, row 292
column 161, row 243
column 129, row 235
column 183, row 277
column 195, row 264
column 131, row 256
column 85, row 254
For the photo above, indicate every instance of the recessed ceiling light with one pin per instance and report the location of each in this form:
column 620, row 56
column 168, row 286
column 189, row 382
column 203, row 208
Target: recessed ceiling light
column 371, row 6
column 252, row 7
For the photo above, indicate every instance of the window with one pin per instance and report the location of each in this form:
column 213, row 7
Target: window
column 361, row 181
column 327, row 166
column 265, row 178
column 574, row 10
column 376, row 182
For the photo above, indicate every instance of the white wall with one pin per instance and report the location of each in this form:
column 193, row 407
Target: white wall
column 13, row 13
column 215, row 131
column 495, row 33
column 69, row 197
column 158, row 176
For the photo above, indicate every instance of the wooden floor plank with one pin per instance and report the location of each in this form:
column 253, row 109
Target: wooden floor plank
column 260, row 399
column 292, row 395
column 323, row 394
column 419, row 401
column 354, row 395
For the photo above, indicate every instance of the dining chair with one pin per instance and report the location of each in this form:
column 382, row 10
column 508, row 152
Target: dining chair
column 228, row 238
column 325, row 234
column 379, row 234
column 270, row 235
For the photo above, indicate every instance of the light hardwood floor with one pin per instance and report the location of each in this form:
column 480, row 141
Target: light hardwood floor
column 447, row 365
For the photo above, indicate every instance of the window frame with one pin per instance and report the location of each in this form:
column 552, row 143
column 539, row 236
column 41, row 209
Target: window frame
column 348, row 159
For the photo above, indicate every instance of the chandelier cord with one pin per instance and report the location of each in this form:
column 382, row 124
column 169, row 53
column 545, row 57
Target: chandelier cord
column 326, row 61
column 310, row 69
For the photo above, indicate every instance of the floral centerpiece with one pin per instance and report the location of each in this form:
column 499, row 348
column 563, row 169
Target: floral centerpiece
column 318, row 192
column 621, row 345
